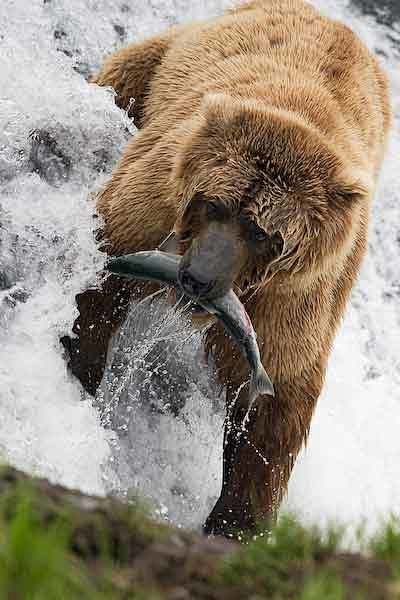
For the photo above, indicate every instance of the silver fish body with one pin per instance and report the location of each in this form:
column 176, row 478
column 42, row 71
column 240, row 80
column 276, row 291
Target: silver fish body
column 232, row 314
column 148, row 266
column 163, row 267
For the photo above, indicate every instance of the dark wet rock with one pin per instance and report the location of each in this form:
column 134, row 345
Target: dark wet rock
column 5, row 280
column 47, row 159
column 102, row 159
column 16, row 296
column 8, row 170
column 66, row 52
column 63, row 45
column 59, row 34
column 19, row 295
column 12, row 162
column 120, row 31
column 83, row 68
column 386, row 12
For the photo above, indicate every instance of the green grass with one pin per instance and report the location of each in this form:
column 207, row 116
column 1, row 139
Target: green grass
column 53, row 549
column 323, row 586
column 386, row 544
column 36, row 561
column 277, row 564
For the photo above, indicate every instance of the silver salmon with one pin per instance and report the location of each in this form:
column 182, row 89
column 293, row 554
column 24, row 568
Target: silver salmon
column 163, row 267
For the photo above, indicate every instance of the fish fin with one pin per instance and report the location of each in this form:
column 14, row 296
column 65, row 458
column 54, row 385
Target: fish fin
column 169, row 244
column 260, row 384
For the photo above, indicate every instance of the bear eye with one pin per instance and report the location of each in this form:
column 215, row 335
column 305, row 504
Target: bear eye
column 277, row 243
column 257, row 234
column 214, row 210
column 261, row 236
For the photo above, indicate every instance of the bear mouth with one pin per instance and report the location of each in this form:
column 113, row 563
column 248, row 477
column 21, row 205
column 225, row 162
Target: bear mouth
column 191, row 308
column 194, row 309
column 199, row 311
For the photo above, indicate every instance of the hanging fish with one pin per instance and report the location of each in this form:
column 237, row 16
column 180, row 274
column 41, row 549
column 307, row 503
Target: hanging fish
column 163, row 267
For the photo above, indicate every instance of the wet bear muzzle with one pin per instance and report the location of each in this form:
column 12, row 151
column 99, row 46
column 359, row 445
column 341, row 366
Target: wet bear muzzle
column 211, row 263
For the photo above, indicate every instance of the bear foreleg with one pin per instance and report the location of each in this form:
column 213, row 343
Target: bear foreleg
column 260, row 449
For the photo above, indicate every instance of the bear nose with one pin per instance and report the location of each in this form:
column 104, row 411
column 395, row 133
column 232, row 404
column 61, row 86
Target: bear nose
column 192, row 286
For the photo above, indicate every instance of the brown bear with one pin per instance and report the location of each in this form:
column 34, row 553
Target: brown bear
column 261, row 138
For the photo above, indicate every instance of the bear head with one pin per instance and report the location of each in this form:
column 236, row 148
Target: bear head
column 263, row 194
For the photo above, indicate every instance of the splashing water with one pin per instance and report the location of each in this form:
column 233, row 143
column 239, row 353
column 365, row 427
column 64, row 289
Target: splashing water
column 162, row 399
column 158, row 427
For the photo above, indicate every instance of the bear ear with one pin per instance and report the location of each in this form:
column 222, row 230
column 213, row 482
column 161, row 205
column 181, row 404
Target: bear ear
column 217, row 108
column 353, row 184
column 216, row 104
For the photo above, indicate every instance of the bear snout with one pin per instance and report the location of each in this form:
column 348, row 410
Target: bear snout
column 194, row 287
column 211, row 264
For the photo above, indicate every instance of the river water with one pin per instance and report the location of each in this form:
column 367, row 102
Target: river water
column 158, row 428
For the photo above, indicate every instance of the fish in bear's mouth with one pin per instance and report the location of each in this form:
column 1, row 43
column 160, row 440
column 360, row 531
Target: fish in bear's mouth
column 164, row 268
column 173, row 244
column 196, row 310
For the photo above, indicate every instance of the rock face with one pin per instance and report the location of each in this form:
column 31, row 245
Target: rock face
column 122, row 553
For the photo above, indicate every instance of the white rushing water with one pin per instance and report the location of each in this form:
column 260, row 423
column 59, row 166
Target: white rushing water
column 129, row 439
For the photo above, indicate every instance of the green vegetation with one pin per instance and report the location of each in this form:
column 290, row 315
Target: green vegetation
column 385, row 546
column 33, row 560
column 60, row 545
column 282, row 564
column 323, row 585
column 55, row 551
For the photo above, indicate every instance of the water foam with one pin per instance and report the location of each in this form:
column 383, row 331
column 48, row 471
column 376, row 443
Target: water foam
column 47, row 255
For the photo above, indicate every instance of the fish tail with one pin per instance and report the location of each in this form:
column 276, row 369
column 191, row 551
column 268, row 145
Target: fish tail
column 260, row 384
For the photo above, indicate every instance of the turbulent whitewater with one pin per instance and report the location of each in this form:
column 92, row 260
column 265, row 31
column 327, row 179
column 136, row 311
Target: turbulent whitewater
column 156, row 424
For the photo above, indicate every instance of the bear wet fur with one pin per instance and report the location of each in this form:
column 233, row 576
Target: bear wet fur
column 281, row 116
